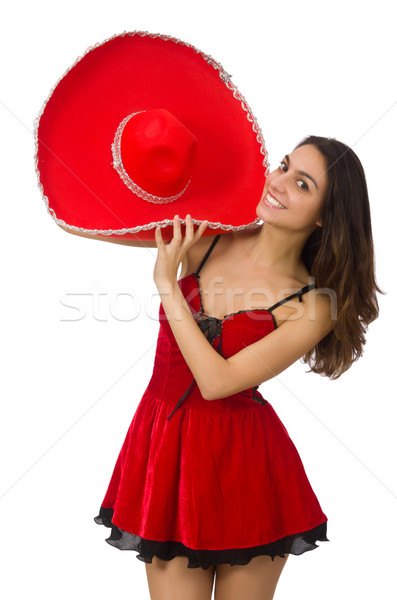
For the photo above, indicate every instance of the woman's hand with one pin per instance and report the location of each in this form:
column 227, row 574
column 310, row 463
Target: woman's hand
column 170, row 255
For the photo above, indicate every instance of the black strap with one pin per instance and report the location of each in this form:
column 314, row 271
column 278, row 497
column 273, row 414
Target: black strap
column 305, row 289
column 213, row 327
column 208, row 253
column 182, row 398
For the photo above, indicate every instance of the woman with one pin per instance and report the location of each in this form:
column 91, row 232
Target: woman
column 220, row 469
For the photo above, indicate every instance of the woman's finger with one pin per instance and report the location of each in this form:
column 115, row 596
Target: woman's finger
column 200, row 230
column 189, row 235
column 177, row 228
column 158, row 237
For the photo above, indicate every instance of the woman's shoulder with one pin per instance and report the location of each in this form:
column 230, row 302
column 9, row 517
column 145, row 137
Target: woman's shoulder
column 226, row 241
column 196, row 253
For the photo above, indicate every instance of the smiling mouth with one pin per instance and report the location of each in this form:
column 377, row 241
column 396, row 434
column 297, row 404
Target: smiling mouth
column 270, row 201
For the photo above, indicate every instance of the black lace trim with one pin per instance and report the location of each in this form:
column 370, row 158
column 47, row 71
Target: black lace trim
column 292, row 544
column 257, row 398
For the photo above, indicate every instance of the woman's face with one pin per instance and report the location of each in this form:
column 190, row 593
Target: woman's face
column 299, row 185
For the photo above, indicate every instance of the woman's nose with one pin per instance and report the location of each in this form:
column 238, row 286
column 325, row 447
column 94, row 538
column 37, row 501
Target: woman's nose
column 278, row 184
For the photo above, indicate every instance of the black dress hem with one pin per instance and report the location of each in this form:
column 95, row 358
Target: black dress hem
column 297, row 543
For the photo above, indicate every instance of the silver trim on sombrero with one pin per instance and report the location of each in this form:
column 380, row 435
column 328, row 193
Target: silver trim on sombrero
column 118, row 165
column 224, row 76
column 162, row 224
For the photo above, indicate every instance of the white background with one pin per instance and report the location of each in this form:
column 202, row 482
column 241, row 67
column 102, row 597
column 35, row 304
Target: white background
column 70, row 387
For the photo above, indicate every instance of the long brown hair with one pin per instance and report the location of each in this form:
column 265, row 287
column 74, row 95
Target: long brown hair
column 340, row 257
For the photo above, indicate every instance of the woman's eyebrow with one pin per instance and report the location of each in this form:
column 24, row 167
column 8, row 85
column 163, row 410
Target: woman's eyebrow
column 302, row 172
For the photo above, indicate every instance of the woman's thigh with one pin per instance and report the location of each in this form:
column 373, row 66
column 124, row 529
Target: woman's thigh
column 172, row 580
column 255, row 581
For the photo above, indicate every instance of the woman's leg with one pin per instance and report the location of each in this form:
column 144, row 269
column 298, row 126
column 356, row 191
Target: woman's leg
column 172, row 580
column 255, row 581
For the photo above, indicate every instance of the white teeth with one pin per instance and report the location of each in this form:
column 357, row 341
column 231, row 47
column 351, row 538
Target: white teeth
column 273, row 201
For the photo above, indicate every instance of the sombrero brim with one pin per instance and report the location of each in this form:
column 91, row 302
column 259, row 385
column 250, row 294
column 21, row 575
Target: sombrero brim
column 138, row 71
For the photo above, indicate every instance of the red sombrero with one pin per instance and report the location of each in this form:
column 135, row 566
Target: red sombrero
column 143, row 127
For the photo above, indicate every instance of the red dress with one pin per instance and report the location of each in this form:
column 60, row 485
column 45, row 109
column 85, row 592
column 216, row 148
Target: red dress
column 217, row 481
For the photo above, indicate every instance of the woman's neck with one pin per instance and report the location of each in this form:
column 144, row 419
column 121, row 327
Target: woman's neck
column 274, row 249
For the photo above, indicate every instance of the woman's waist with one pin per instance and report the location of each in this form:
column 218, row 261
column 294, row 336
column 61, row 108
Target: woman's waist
column 171, row 387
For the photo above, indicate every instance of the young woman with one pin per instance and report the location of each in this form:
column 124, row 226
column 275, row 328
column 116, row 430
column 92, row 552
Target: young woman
column 208, row 477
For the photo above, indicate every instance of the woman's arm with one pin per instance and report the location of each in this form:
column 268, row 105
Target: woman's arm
column 114, row 240
column 216, row 376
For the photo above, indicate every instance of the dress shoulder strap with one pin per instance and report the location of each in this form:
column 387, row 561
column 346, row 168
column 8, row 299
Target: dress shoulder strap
column 305, row 289
column 214, row 241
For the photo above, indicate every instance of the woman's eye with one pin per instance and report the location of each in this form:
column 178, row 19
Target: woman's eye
column 284, row 170
column 304, row 186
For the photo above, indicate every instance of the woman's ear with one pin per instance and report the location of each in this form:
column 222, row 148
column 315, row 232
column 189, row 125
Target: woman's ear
column 319, row 223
